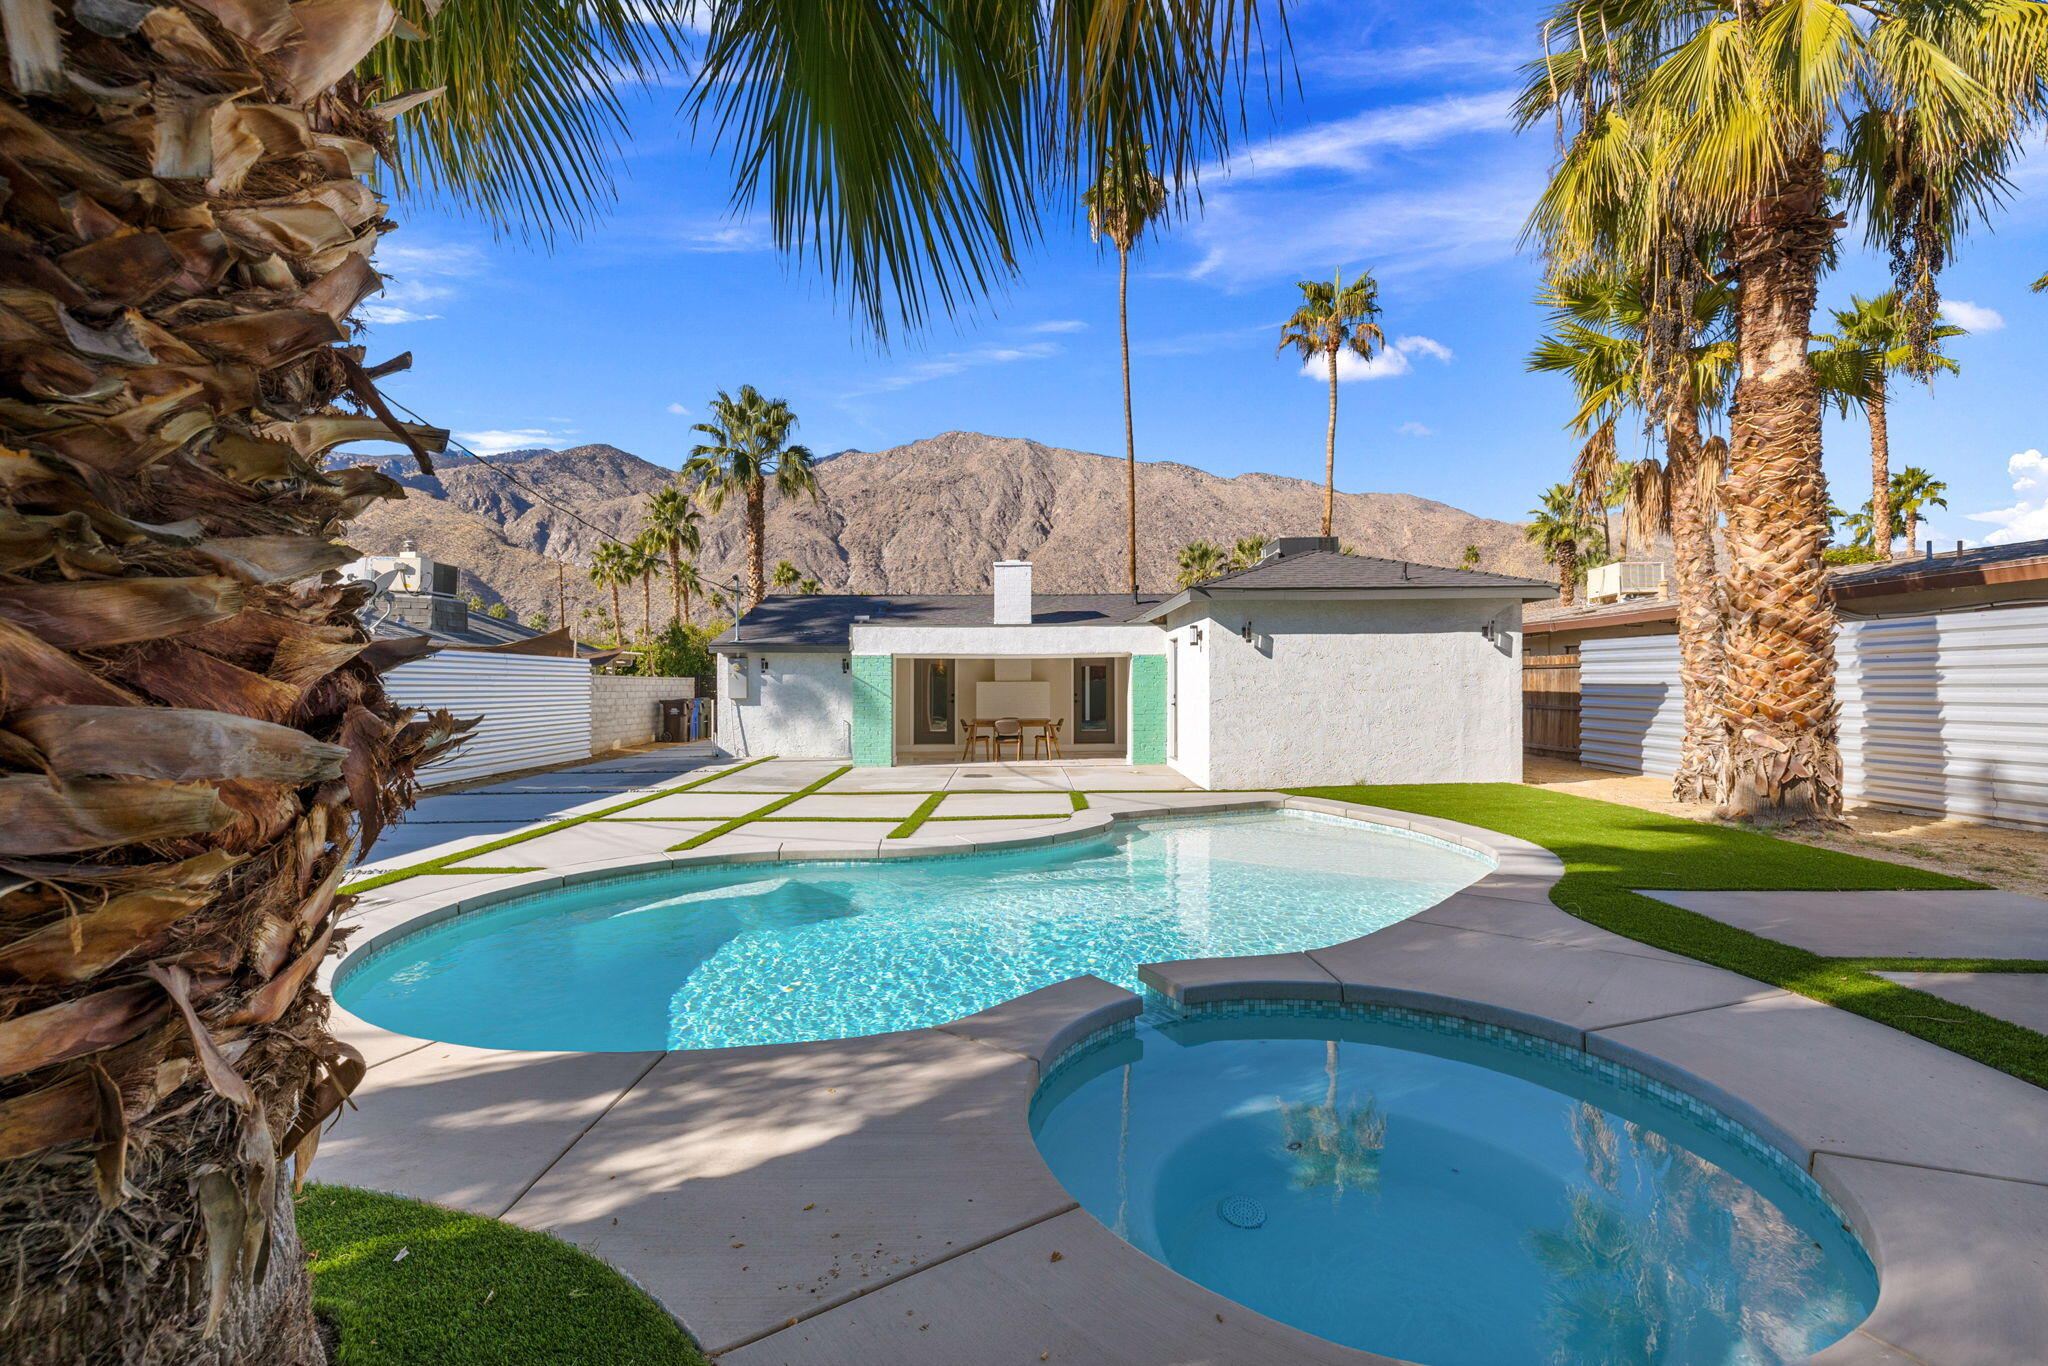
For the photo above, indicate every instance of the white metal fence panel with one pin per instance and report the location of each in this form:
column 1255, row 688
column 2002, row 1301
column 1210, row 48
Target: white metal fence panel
column 1631, row 713
column 1942, row 714
column 535, row 710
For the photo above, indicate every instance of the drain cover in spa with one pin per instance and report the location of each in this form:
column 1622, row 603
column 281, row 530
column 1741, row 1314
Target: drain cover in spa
column 1242, row 1211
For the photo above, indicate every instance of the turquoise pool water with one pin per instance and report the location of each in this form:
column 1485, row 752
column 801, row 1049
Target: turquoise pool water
column 1447, row 1193
column 778, row 953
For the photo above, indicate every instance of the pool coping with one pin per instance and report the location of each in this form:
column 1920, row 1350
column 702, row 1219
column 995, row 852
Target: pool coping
column 1525, row 965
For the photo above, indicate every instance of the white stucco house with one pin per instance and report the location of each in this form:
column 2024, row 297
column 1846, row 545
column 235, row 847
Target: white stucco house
column 1311, row 667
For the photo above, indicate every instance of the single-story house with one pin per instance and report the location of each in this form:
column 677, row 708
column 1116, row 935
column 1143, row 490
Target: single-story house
column 1312, row 666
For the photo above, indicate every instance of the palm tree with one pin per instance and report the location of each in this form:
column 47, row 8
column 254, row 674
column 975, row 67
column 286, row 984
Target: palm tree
column 1912, row 489
column 1562, row 531
column 1248, row 551
column 1122, row 203
column 676, row 525
column 787, row 575
column 1881, row 334
column 613, row 565
column 1603, row 338
column 810, row 587
column 1200, row 561
column 747, row 452
column 1334, row 317
column 1678, row 119
column 647, row 550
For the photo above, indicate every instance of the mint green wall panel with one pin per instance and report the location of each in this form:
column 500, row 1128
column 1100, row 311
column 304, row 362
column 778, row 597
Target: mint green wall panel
column 1148, row 709
column 874, row 710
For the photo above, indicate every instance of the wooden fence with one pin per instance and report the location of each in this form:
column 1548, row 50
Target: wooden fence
column 1550, row 705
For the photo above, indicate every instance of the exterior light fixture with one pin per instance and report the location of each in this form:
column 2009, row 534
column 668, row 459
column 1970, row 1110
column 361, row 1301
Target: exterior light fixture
column 1247, row 633
column 1195, row 637
column 845, row 665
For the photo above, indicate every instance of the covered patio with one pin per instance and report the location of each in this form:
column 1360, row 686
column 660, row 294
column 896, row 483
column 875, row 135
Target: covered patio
column 1067, row 707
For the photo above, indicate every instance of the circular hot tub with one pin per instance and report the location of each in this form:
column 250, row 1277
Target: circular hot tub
column 1448, row 1193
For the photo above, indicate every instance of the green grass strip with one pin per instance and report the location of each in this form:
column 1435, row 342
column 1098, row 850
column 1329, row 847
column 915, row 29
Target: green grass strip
column 736, row 822
column 444, row 872
column 1080, row 799
column 1946, row 964
column 455, row 859
column 405, row 1283
column 1610, row 850
column 1026, row 816
column 917, row 817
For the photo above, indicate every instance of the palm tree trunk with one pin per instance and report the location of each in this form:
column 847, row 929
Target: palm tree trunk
column 1330, row 454
column 1123, row 323
column 1781, row 763
column 675, row 583
column 647, row 602
column 1912, row 529
column 1701, row 660
column 688, row 614
column 165, row 1041
column 757, row 537
column 618, row 618
column 1880, row 470
column 1568, row 574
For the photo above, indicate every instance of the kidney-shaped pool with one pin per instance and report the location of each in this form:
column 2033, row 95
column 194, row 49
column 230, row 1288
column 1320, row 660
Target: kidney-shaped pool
column 1448, row 1193
column 780, row 953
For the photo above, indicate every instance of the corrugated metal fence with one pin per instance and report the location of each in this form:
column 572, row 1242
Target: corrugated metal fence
column 1943, row 714
column 535, row 709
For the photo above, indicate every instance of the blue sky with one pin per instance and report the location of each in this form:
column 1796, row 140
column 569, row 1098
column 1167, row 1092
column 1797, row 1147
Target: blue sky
column 1396, row 155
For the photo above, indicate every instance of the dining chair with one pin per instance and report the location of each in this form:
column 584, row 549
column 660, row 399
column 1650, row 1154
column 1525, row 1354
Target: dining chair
column 1049, row 740
column 1009, row 730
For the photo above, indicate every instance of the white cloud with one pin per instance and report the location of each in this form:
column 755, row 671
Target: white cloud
column 1396, row 358
column 1059, row 325
column 498, row 442
column 679, row 410
column 418, row 275
column 1452, row 54
column 721, row 237
column 1975, row 317
column 1415, row 429
column 2026, row 519
column 939, row 367
column 1354, row 144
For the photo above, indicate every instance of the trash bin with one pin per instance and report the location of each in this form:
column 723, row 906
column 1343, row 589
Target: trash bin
column 673, row 721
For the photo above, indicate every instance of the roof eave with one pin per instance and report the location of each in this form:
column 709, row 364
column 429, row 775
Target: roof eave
column 1524, row 592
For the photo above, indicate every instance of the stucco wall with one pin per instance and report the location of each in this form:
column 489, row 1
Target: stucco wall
column 801, row 709
column 1187, row 683
column 1383, row 691
column 622, row 708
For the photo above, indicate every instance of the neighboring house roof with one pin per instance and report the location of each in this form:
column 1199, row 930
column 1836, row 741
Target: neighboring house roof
column 486, row 632
column 824, row 621
column 2021, row 562
column 1333, row 573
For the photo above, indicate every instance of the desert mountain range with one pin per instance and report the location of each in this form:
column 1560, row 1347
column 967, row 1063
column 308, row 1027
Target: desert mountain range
column 927, row 517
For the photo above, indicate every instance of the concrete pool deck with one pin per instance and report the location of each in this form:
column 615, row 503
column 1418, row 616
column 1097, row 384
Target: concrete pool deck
column 879, row 1200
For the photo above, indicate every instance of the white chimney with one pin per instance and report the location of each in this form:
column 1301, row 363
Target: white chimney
column 1012, row 582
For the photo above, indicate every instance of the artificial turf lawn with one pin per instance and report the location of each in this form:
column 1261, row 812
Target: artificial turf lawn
column 1608, row 849
column 471, row 1291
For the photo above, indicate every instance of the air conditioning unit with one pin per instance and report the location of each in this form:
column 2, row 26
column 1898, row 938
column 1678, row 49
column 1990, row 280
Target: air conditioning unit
column 1625, row 579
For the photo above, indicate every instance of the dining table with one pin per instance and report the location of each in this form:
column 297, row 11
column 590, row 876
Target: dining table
column 983, row 728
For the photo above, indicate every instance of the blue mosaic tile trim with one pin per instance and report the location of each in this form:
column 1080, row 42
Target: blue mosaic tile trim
column 1159, row 1009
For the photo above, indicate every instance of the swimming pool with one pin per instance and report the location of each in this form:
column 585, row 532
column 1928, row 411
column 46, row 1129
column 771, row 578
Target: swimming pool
column 780, row 953
column 1448, row 1193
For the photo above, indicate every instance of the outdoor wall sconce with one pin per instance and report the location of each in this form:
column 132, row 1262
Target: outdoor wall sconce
column 1247, row 633
column 1195, row 637
column 845, row 665
column 765, row 666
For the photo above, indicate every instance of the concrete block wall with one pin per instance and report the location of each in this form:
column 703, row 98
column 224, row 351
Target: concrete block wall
column 622, row 707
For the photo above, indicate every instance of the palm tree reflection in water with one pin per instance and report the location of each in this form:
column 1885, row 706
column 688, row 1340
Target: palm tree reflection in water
column 1630, row 1270
column 1333, row 1146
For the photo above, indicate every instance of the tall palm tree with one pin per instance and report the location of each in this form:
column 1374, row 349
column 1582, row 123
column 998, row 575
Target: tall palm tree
column 1561, row 529
column 1248, row 551
column 1683, row 118
column 677, row 527
column 613, row 565
column 1912, row 489
column 1124, row 200
column 1603, row 340
column 1881, row 334
column 646, row 553
column 1200, row 561
column 787, row 575
column 1335, row 316
column 747, row 453
column 199, row 740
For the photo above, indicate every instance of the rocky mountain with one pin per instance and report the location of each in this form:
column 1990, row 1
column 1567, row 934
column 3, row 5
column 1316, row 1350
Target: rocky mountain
column 927, row 517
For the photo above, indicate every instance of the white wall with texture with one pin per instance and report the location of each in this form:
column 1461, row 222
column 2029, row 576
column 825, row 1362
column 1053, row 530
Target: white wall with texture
column 802, row 709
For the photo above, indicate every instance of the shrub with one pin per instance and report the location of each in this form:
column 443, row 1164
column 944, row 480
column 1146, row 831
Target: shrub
column 1850, row 554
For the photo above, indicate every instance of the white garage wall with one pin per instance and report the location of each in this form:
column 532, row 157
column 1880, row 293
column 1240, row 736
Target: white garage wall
column 804, row 711
column 535, row 710
column 1942, row 714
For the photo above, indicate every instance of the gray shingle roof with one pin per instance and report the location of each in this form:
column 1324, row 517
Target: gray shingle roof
column 824, row 621
column 1327, row 569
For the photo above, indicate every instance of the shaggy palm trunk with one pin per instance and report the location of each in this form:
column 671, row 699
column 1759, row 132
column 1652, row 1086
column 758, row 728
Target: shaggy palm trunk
column 194, row 740
column 675, row 584
column 618, row 617
column 757, row 539
column 1701, row 659
column 1123, row 323
column 1781, row 763
column 1880, row 470
column 1567, row 574
column 647, row 604
column 1330, row 454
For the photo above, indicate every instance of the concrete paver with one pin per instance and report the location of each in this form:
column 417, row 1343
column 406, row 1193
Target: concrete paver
column 1838, row 1083
column 1959, row 1259
column 1540, row 921
column 376, row 1044
column 1042, row 1024
column 721, row 1178
column 853, row 806
column 471, row 1128
column 1006, row 804
column 813, row 838
column 2021, row 997
column 1254, row 977
column 776, row 775
column 719, row 806
column 1008, row 778
column 1884, row 924
column 916, row 778
column 597, row 840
